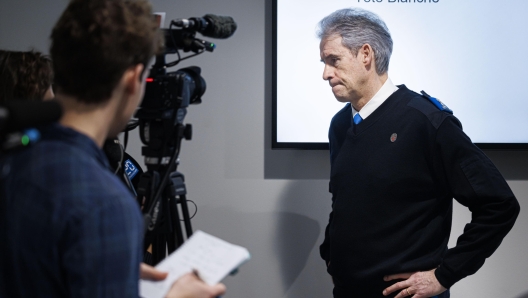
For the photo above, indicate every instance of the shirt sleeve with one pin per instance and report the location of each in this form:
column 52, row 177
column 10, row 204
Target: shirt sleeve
column 477, row 184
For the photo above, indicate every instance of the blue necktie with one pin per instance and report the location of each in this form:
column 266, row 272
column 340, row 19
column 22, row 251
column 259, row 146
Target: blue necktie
column 357, row 119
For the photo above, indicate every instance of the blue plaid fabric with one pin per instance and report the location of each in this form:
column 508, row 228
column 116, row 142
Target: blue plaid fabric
column 68, row 226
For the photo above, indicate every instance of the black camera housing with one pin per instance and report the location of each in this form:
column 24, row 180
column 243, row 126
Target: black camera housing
column 167, row 96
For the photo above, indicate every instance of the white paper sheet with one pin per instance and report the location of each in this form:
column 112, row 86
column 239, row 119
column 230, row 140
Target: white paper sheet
column 212, row 257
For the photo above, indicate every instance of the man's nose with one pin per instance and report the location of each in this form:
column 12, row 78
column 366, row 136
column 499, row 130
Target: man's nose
column 327, row 73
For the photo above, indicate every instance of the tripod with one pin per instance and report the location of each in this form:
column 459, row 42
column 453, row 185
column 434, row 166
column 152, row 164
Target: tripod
column 160, row 118
column 160, row 198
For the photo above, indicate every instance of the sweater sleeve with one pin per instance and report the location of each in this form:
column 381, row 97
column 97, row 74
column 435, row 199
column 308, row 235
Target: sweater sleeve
column 325, row 246
column 477, row 184
column 336, row 135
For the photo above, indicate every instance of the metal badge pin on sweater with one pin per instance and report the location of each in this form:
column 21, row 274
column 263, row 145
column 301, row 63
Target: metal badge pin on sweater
column 393, row 137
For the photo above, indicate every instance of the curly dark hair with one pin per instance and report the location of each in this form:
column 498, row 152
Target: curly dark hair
column 24, row 75
column 95, row 41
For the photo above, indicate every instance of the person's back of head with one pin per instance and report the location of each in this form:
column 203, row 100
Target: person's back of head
column 95, row 41
column 24, row 75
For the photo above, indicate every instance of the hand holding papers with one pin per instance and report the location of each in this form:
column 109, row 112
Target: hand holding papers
column 211, row 257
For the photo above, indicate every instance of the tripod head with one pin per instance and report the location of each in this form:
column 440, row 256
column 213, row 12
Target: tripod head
column 163, row 110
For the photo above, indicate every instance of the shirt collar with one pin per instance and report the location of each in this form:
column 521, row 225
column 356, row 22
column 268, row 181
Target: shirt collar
column 79, row 140
column 383, row 93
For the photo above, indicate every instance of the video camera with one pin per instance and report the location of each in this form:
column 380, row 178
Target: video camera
column 160, row 118
column 168, row 94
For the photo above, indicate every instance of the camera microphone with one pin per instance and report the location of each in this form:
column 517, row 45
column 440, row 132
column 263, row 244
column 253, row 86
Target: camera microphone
column 209, row 25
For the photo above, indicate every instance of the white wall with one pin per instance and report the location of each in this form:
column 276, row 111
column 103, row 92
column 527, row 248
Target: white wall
column 275, row 203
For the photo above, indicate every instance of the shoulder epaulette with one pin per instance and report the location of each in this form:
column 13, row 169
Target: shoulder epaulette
column 440, row 105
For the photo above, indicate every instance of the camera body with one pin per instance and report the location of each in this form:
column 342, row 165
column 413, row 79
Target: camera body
column 174, row 89
column 167, row 96
column 161, row 114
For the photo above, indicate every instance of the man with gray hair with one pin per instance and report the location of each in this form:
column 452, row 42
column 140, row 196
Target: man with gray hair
column 398, row 158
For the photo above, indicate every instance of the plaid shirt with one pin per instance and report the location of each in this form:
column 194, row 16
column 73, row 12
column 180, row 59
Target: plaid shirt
column 68, row 226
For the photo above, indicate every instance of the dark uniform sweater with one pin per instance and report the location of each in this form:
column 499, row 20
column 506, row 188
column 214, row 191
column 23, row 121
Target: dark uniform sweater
column 392, row 181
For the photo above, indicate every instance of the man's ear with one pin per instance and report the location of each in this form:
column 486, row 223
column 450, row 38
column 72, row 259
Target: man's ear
column 132, row 78
column 366, row 54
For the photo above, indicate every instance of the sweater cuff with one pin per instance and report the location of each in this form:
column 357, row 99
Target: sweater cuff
column 323, row 251
column 446, row 277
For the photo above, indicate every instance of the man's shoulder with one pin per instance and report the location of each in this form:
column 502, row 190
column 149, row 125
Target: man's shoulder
column 432, row 109
column 64, row 184
column 63, row 170
column 58, row 158
column 342, row 116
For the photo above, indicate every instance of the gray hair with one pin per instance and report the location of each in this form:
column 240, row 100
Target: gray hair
column 358, row 27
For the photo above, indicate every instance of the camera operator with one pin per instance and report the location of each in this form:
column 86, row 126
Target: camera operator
column 25, row 75
column 69, row 227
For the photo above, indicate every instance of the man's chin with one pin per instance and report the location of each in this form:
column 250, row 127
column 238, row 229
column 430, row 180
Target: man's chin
column 114, row 132
column 341, row 98
column 112, row 135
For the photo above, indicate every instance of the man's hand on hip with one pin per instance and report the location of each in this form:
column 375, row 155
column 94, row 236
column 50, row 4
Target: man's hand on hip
column 421, row 284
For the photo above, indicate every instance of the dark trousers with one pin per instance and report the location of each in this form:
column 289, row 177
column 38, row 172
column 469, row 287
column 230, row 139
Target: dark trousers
column 444, row 295
column 343, row 293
